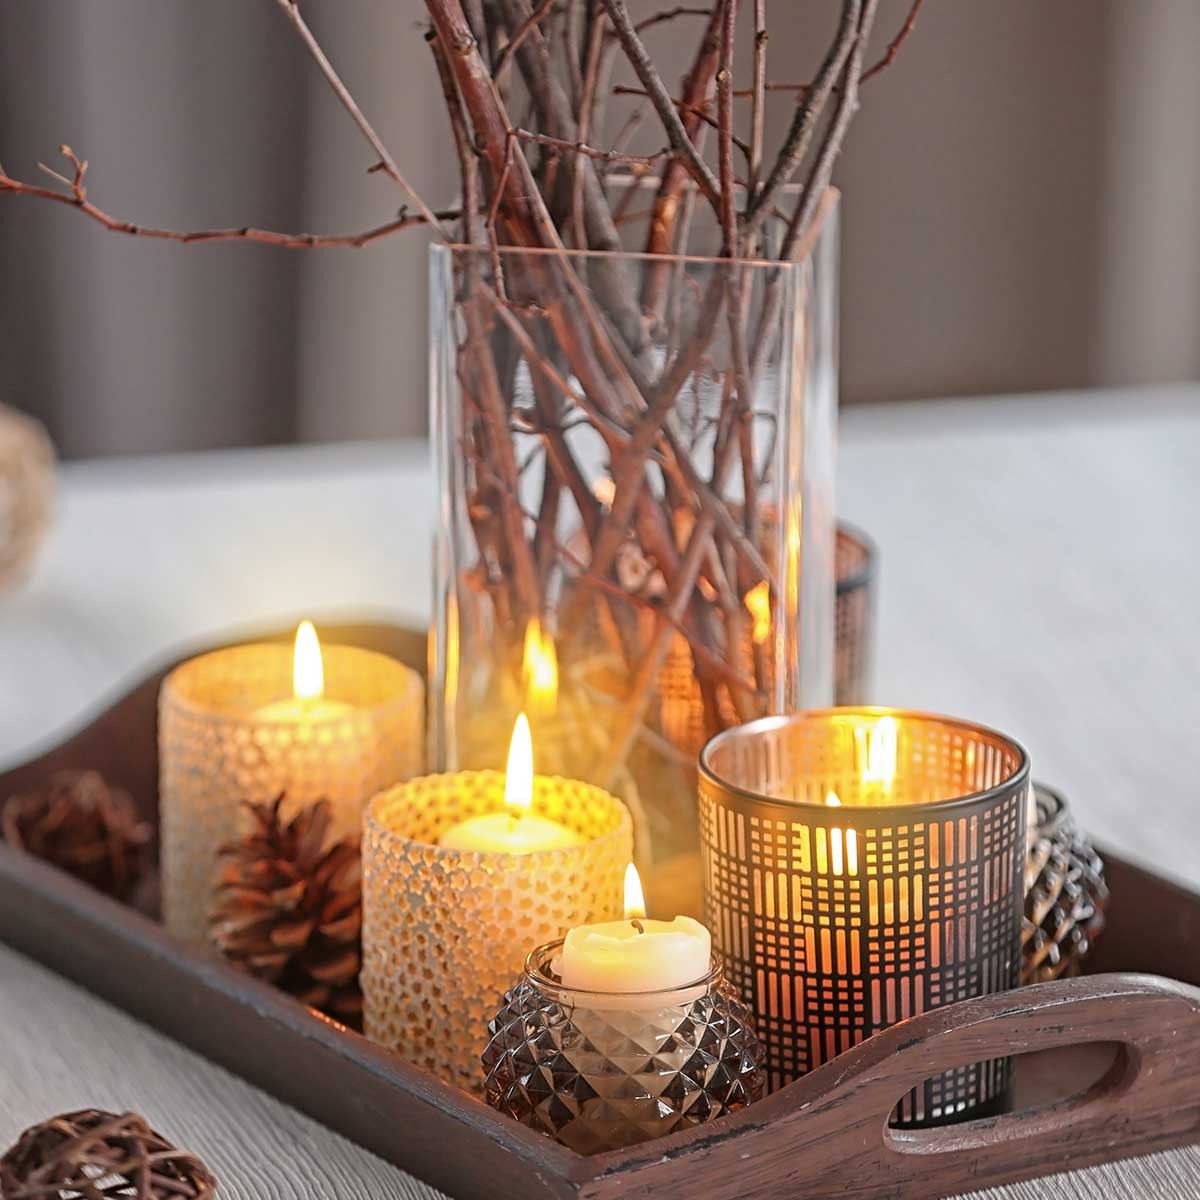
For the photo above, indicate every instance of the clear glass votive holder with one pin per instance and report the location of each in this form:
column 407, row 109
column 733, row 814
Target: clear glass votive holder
column 222, row 742
column 446, row 930
column 861, row 866
column 600, row 1071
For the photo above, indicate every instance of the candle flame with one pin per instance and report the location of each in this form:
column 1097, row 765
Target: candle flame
column 540, row 669
column 518, row 775
column 308, row 672
column 635, row 901
column 758, row 603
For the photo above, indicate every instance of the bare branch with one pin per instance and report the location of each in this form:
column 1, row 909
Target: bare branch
column 292, row 9
column 669, row 15
column 690, row 110
column 895, row 44
column 527, row 27
column 609, row 156
column 758, row 107
column 77, row 198
column 646, row 71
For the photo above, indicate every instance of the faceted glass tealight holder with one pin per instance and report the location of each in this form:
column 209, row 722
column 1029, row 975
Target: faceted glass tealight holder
column 446, row 930
column 600, row 1071
column 222, row 743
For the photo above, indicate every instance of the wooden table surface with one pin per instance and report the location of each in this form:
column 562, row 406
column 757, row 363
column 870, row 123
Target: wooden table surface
column 1040, row 572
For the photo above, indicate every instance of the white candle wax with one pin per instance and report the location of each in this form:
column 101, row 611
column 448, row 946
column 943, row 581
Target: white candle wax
column 505, row 833
column 298, row 710
column 635, row 955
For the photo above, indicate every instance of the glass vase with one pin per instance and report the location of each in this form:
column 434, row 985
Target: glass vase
column 635, row 540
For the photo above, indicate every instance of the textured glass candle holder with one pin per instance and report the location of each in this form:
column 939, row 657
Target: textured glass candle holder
column 608, row 470
column 600, row 1072
column 837, row 921
column 217, row 750
column 445, row 931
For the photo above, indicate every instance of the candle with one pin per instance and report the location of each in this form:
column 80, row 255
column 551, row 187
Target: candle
column 307, row 702
column 229, row 732
column 862, row 866
column 518, row 830
column 636, row 954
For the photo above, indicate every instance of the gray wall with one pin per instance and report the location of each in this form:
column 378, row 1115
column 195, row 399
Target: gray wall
column 1019, row 211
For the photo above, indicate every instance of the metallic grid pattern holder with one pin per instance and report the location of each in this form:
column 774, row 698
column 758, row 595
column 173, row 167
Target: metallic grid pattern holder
column 835, row 922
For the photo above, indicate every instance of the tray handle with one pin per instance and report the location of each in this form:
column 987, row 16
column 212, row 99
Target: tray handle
column 1154, row 1022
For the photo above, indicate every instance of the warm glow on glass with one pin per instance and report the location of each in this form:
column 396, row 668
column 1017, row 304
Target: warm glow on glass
column 758, row 604
column 832, row 800
column 518, row 775
column 308, row 672
column 880, row 757
column 635, row 900
column 605, row 491
column 540, row 669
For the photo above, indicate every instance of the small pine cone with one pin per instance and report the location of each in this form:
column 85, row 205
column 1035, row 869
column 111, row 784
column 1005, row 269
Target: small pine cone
column 91, row 1154
column 289, row 911
column 81, row 825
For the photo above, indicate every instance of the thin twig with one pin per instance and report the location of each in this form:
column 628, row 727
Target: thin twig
column 725, row 132
column 292, row 9
column 526, row 28
column 894, row 45
column 77, row 198
column 646, row 71
column 758, row 108
column 669, row 15
column 608, row 156
column 690, row 110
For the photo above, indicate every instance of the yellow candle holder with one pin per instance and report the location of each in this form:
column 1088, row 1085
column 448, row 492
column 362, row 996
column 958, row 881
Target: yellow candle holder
column 218, row 749
column 446, row 931
column 861, row 866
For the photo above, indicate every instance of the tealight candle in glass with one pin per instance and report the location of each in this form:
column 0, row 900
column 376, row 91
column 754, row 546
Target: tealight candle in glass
column 861, row 866
column 462, row 872
column 620, row 1033
column 249, row 722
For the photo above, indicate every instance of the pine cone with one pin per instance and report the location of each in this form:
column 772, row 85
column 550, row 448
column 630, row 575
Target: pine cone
column 290, row 912
column 93, row 1154
column 1065, row 894
column 80, row 824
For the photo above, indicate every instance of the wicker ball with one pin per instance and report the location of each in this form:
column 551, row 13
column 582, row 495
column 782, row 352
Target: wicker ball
column 26, row 491
column 92, row 1154
column 1065, row 894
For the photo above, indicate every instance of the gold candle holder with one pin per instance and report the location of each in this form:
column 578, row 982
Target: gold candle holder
column 225, row 736
column 446, row 931
column 862, row 866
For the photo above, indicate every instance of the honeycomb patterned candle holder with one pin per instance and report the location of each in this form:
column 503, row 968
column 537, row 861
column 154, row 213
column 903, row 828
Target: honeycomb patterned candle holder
column 445, row 931
column 220, row 745
column 600, row 1071
column 861, row 866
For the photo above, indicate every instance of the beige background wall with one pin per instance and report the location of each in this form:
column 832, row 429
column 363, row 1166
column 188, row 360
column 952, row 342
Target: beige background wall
column 1020, row 211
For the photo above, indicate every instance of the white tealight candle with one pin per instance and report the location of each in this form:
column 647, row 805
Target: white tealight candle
column 635, row 955
column 517, row 831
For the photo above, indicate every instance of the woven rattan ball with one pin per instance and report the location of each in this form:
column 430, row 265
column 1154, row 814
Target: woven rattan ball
column 26, row 491
column 92, row 1154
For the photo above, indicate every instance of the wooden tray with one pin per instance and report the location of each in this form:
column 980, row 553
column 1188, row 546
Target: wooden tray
column 1112, row 1064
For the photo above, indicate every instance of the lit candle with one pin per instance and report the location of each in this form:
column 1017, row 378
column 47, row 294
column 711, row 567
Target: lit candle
column 307, row 702
column 230, row 732
column 635, row 955
column 518, row 830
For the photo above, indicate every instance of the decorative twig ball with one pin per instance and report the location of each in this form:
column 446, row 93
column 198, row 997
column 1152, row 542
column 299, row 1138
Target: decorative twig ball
column 83, row 826
column 289, row 908
column 26, row 491
column 92, row 1154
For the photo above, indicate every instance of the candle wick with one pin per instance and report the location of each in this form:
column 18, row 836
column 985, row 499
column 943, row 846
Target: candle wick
column 637, row 924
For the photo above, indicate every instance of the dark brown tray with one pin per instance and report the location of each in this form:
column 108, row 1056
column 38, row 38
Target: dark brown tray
column 1111, row 1066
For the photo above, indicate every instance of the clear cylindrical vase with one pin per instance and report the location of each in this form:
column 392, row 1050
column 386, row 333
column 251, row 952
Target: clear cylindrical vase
column 636, row 532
